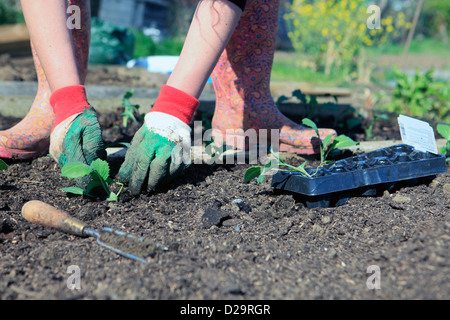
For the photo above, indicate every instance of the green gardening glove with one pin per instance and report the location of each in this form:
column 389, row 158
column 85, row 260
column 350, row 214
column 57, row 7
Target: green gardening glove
column 78, row 139
column 159, row 152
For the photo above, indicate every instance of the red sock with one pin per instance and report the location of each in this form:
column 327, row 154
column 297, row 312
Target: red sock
column 67, row 102
column 176, row 103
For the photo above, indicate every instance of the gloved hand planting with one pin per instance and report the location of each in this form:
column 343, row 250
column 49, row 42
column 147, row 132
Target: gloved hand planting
column 160, row 150
column 76, row 134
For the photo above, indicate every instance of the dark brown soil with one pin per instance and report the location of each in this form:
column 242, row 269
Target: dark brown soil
column 216, row 237
column 220, row 238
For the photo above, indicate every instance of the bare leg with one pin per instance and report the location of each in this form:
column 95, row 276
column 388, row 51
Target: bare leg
column 52, row 41
column 210, row 30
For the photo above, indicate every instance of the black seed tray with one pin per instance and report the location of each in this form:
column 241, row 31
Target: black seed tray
column 363, row 175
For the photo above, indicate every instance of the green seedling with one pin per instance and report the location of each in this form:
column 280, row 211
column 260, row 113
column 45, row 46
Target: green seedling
column 98, row 171
column 444, row 130
column 260, row 172
column 375, row 118
column 327, row 145
column 311, row 103
column 3, row 165
column 130, row 109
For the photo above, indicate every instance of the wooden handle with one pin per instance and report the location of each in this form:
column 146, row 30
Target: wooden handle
column 42, row 213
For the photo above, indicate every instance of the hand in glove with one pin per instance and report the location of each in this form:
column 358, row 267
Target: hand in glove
column 160, row 150
column 76, row 135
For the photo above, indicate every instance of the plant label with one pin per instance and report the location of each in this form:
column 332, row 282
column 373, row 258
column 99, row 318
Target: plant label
column 418, row 134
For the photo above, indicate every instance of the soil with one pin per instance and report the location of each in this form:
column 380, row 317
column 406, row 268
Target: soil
column 212, row 236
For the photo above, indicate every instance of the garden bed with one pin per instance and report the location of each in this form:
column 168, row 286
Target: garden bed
column 221, row 238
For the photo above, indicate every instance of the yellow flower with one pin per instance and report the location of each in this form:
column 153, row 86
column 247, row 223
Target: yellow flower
column 325, row 32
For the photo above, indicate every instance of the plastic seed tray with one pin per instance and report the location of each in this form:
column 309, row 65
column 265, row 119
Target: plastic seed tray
column 363, row 175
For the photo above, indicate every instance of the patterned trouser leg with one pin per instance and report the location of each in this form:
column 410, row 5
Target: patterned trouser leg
column 241, row 81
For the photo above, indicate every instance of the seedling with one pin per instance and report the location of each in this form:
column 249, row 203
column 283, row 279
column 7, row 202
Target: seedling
column 376, row 117
column 3, row 165
column 275, row 162
column 260, row 172
column 129, row 109
column 327, row 145
column 98, row 171
column 311, row 103
column 444, row 130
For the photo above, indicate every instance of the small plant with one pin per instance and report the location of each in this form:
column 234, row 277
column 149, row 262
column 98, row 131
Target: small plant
column 98, row 171
column 130, row 109
column 327, row 145
column 444, row 130
column 260, row 172
column 420, row 96
column 3, row 165
column 308, row 101
column 375, row 118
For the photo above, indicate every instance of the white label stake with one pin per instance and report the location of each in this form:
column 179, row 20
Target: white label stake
column 417, row 133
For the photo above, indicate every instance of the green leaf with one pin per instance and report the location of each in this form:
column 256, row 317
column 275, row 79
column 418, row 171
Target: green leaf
column 252, row 172
column 281, row 99
column 99, row 179
column 3, row 165
column 261, row 178
column 73, row 170
column 311, row 124
column 102, row 167
column 112, row 197
column 74, row 190
column 300, row 96
column 93, row 184
column 444, row 130
column 342, row 141
column 327, row 140
column 128, row 94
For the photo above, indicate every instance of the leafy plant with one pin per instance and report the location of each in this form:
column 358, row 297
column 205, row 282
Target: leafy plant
column 309, row 101
column 327, row 145
column 260, row 172
column 98, row 171
column 375, row 118
column 331, row 35
column 420, row 96
column 3, row 165
column 444, row 130
column 130, row 109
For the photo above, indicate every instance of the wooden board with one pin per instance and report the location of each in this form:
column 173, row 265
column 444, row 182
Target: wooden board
column 14, row 38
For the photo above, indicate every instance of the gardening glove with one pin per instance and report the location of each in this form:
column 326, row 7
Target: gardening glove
column 76, row 134
column 160, row 150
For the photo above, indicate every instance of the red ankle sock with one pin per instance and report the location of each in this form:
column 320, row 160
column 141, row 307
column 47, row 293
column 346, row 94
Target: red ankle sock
column 176, row 103
column 67, row 102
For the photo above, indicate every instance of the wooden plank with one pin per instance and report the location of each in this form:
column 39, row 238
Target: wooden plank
column 14, row 37
column 14, row 33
